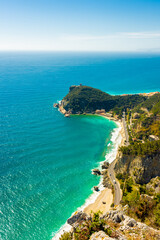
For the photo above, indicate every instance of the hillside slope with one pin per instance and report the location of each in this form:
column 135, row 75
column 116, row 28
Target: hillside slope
column 84, row 99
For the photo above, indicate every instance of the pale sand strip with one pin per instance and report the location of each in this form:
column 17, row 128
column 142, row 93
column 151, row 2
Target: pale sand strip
column 105, row 196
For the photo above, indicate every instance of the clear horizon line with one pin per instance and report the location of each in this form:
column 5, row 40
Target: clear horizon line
column 83, row 51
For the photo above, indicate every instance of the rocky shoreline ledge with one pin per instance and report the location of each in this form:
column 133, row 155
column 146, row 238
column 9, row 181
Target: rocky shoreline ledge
column 114, row 224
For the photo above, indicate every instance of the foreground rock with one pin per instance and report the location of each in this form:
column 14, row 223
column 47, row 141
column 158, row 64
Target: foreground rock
column 77, row 218
column 130, row 226
column 115, row 224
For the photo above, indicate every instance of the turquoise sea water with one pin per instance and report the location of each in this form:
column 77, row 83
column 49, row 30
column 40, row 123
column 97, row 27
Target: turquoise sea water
column 46, row 159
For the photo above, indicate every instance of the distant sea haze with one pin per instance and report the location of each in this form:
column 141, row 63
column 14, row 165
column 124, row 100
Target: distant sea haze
column 46, row 159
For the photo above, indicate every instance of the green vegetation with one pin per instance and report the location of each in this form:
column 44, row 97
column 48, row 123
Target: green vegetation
column 66, row 236
column 146, row 125
column 85, row 228
column 142, row 149
column 87, row 99
column 146, row 118
column 142, row 206
column 151, row 102
column 88, row 227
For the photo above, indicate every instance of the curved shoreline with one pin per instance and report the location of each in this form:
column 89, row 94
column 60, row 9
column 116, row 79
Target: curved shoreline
column 105, row 199
column 95, row 200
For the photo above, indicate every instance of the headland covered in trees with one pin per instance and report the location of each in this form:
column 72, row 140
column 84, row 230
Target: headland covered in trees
column 84, row 99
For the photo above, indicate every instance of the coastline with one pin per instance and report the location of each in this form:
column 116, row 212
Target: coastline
column 96, row 199
column 105, row 199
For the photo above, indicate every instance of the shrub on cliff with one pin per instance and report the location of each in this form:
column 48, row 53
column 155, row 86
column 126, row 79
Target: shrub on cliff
column 142, row 207
column 86, row 228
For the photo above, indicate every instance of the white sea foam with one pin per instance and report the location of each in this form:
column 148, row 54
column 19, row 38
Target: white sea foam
column 116, row 139
column 110, row 157
column 65, row 228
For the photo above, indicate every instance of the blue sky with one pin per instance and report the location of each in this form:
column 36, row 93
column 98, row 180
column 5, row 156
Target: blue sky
column 80, row 25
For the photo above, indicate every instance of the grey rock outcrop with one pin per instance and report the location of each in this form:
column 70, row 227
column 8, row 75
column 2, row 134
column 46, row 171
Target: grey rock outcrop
column 132, row 223
column 142, row 169
column 118, row 218
column 77, row 218
column 128, row 223
column 125, row 226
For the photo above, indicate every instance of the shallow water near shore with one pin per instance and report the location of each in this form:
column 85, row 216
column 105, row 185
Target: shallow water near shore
column 46, row 159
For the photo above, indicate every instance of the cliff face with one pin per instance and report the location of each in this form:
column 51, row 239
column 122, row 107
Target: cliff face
column 142, row 169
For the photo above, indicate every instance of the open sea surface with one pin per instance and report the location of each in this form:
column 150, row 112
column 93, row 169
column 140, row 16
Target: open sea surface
column 46, row 159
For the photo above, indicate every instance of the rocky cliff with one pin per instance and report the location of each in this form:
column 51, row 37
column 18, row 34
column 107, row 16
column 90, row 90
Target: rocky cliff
column 115, row 225
column 142, row 169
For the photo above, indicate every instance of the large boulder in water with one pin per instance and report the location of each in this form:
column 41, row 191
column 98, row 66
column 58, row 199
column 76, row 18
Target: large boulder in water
column 96, row 171
column 96, row 188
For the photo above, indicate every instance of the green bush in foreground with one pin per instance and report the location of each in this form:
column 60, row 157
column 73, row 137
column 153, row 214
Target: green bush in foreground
column 87, row 228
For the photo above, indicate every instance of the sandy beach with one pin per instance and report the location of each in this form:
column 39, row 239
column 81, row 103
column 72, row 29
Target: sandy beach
column 102, row 203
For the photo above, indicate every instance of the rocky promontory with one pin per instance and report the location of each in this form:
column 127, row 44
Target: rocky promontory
column 115, row 224
column 83, row 99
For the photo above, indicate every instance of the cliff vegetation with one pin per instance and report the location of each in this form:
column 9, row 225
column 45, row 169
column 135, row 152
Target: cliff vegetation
column 138, row 169
column 84, row 99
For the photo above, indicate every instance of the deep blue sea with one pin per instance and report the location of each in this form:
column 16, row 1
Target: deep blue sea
column 46, row 159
